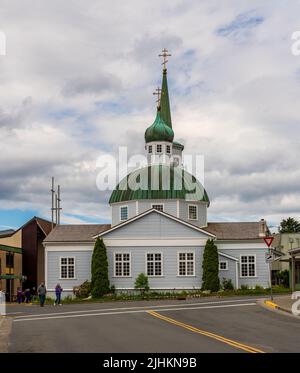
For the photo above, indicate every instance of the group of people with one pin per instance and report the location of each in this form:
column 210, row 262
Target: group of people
column 28, row 295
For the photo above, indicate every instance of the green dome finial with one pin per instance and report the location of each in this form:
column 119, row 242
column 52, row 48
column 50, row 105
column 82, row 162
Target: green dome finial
column 159, row 131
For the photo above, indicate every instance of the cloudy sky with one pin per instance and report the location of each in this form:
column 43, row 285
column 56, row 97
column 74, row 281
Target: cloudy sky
column 77, row 82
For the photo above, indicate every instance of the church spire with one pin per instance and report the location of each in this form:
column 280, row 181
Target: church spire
column 164, row 100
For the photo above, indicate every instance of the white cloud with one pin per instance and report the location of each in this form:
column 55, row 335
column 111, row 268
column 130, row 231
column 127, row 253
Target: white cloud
column 77, row 81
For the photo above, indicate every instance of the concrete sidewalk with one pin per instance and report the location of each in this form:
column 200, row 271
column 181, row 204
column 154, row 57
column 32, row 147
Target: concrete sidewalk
column 5, row 329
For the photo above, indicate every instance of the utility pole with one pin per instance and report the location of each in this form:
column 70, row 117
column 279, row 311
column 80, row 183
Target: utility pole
column 58, row 204
column 52, row 205
column 55, row 208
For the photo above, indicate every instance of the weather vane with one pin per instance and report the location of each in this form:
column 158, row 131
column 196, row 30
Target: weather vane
column 158, row 94
column 164, row 54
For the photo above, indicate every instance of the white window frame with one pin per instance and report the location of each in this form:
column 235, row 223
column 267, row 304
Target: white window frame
column 120, row 210
column 168, row 147
column 189, row 212
column 158, row 204
column 150, row 149
column 226, row 266
column 122, row 253
column 162, row 263
column 161, row 147
column 61, row 265
column 255, row 268
column 194, row 262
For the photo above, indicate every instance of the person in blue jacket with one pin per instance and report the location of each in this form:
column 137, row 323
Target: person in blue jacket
column 58, row 291
column 19, row 295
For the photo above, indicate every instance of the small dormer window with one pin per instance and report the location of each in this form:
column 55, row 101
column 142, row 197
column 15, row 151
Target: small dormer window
column 159, row 207
column 124, row 213
column 150, row 149
column 158, row 148
column 193, row 212
column 168, row 149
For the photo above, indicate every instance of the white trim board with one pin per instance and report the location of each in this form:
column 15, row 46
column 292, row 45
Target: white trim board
column 228, row 256
column 241, row 245
column 69, row 248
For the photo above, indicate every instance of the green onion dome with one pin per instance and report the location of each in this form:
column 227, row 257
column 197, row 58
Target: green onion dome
column 159, row 130
column 159, row 181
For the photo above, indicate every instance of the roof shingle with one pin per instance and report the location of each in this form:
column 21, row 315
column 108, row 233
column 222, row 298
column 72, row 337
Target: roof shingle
column 235, row 230
column 76, row 233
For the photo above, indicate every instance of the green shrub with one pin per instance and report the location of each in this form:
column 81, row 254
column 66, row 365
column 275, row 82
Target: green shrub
column 244, row 287
column 210, row 265
column 100, row 282
column 82, row 291
column 141, row 282
column 68, row 299
column 258, row 287
column 113, row 289
column 284, row 278
column 227, row 284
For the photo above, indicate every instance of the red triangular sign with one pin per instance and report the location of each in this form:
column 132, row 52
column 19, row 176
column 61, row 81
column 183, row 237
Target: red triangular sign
column 268, row 240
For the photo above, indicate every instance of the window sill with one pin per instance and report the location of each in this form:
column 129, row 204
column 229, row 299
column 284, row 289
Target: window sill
column 186, row 276
column 63, row 279
column 122, row 277
column 248, row 276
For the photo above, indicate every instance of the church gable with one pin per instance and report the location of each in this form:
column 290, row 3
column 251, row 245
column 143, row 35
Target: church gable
column 154, row 224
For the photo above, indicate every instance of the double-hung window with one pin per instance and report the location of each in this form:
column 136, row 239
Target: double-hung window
column 154, row 264
column 9, row 260
column 122, row 265
column 67, row 268
column 186, row 264
column 193, row 212
column 150, row 149
column 168, row 149
column 158, row 148
column 248, row 266
column 123, row 213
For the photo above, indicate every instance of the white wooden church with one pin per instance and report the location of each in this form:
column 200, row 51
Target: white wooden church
column 157, row 230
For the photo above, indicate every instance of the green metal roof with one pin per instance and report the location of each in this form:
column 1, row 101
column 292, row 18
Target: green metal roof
column 159, row 182
column 164, row 101
column 11, row 248
column 159, row 131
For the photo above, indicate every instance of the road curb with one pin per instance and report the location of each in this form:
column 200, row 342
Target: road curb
column 275, row 306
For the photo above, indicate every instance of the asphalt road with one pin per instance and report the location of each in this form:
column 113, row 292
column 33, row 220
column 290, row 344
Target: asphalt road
column 201, row 325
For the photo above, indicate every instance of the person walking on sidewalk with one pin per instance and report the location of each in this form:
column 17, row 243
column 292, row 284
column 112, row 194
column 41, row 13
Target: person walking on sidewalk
column 58, row 291
column 19, row 295
column 42, row 291
column 27, row 296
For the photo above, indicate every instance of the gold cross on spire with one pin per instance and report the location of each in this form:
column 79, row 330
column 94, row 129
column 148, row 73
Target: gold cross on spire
column 158, row 94
column 164, row 54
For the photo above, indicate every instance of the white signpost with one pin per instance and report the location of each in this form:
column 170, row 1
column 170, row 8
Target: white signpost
column 269, row 259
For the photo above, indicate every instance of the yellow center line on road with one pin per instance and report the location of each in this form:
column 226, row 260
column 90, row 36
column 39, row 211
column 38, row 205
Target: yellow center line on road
column 217, row 337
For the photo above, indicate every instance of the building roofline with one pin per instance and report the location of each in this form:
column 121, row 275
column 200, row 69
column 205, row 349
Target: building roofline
column 228, row 256
column 158, row 212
